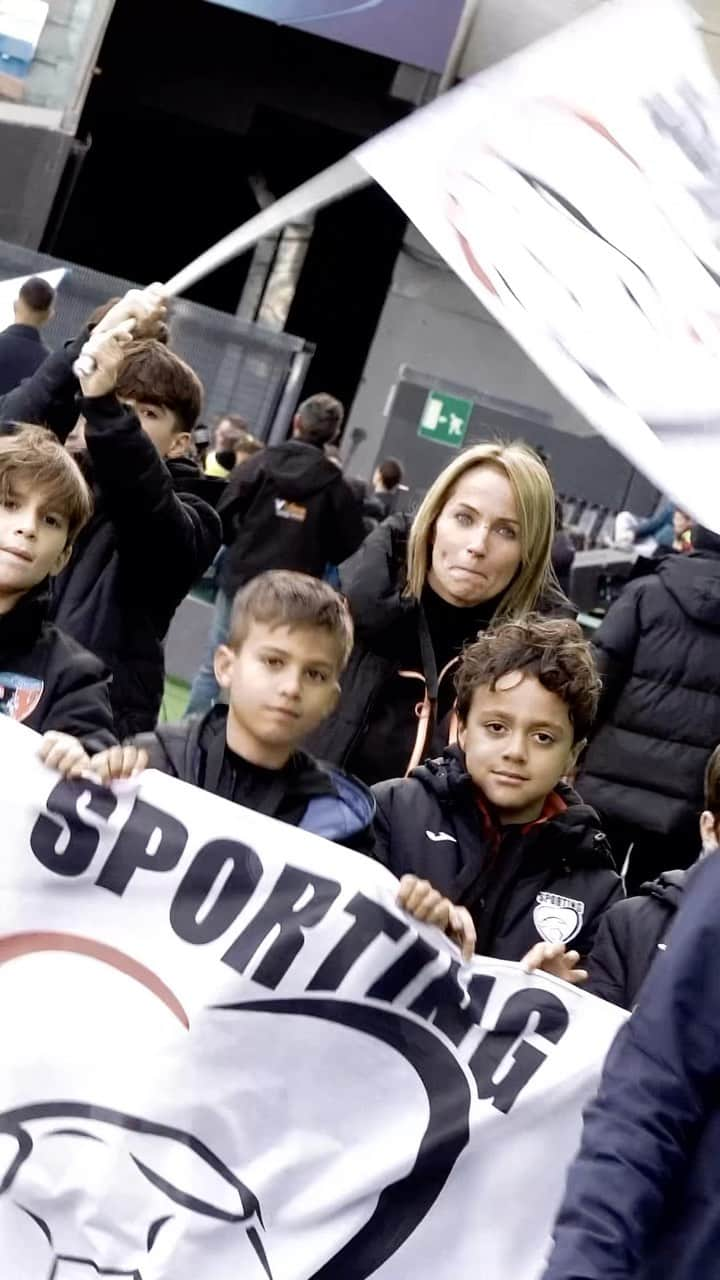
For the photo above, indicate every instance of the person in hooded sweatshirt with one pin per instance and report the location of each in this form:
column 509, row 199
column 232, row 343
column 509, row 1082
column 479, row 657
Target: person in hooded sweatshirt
column 488, row 841
column 659, row 715
column 148, row 540
column 288, row 507
column 633, row 931
column 290, row 639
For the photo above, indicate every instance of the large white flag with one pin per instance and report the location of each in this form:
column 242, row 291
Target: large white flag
column 576, row 189
column 227, row 1054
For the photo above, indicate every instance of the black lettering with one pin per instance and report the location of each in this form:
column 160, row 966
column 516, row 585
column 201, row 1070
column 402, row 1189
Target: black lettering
column 200, row 880
column 151, row 840
column 445, row 1003
column 512, row 1024
column 371, row 921
column 281, row 912
column 78, row 842
column 404, row 970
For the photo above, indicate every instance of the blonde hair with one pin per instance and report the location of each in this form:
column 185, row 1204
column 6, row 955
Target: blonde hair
column 530, row 482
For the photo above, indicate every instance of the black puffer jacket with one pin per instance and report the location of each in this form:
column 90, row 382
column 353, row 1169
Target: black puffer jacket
column 146, row 545
column 629, row 937
column 287, row 508
column 552, row 879
column 659, row 652
column 47, row 681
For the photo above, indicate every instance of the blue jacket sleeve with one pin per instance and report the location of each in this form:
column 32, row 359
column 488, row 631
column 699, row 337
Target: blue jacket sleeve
column 658, row 1087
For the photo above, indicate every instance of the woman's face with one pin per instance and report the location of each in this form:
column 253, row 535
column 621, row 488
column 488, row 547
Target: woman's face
column 476, row 544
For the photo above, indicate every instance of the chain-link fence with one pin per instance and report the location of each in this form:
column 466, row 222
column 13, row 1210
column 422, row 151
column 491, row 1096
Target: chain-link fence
column 245, row 369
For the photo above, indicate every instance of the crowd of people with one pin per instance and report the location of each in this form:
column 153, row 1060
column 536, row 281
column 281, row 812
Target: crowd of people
column 440, row 712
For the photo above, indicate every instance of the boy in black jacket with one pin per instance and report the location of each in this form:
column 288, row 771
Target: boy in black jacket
column 47, row 680
column 290, row 638
column 149, row 540
column 633, row 932
column 488, row 840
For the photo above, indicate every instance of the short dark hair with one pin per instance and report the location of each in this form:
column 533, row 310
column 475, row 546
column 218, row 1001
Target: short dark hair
column 37, row 294
column 321, row 417
column 151, row 374
column 283, row 598
column 712, row 784
column 553, row 650
column 391, row 473
column 34, row 455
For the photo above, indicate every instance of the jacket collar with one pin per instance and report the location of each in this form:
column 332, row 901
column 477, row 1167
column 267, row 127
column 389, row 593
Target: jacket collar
column 24, row 331
column 20, row 628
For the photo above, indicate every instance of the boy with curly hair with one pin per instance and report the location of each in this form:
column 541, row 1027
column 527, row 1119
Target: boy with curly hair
column 489, row 842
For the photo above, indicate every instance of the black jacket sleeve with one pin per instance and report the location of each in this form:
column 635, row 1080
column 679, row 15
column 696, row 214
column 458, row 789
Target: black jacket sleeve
column 384, row 793
column 658, row 1089
column 80, row 703
column 48, row 398
column 607, row 963
column 166, row 540
column 348, row 530
column 242, row 486
column 615, row 643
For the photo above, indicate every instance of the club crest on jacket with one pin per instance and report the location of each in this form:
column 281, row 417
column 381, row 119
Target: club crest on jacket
column 558, row 919
column 19, row 695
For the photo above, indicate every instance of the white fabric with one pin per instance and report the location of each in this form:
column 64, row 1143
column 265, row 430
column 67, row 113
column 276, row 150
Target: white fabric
column 576, row 189
column 166, row 1115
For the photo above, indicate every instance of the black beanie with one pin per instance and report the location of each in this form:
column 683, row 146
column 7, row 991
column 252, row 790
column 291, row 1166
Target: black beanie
column 705, row 540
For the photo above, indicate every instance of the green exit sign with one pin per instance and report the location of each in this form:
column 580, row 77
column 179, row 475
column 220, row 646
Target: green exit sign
column 445, row 419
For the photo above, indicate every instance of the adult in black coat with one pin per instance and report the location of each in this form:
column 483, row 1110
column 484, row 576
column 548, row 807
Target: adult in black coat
column 659, row 715
column 478, row 549
column 148, row 541
column 22, row 349
column 288, row 507
column 430, row 825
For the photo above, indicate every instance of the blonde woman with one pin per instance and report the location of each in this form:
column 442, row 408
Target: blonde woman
column 478, row 548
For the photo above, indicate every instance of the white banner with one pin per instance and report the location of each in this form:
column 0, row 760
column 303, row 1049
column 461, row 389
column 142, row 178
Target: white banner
column 227, row 1054
column 576, row 189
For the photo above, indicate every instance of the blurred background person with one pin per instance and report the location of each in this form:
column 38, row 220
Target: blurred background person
column 388, row 485
column 22, row 349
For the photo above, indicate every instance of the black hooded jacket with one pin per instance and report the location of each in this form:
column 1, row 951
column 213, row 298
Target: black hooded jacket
column 629, row 937
column 659, row 718
column 287, row 508
column 551, row 879
column 47, row 681
column 146, row 545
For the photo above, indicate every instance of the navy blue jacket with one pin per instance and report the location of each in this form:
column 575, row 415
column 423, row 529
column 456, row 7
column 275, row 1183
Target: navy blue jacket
column 643, row 1197
column 22, row 351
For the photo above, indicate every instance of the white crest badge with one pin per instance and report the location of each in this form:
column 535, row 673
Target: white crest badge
column 558, row 919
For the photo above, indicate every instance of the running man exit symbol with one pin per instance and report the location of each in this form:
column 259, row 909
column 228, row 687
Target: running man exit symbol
column 445, row 419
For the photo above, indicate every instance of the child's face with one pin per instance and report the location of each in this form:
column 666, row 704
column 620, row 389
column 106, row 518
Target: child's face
column 161, row 425
column 33, row 540
column 282, row 683
column 518, row 744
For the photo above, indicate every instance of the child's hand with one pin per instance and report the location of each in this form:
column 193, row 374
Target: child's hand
column 420, row 900
column 119, row 763
column 62, row 752
column 552, row 958
column 147, row 307
column 108, row 351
